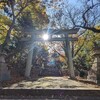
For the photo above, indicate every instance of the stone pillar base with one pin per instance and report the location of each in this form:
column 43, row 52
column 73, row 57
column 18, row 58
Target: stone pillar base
column 4, row 72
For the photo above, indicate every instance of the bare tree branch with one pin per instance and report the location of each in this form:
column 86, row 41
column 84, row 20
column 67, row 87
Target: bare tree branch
column 84, row 14
column 90, row 28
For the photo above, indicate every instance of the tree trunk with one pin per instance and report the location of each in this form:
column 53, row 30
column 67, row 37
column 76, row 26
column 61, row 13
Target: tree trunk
column 7, row 39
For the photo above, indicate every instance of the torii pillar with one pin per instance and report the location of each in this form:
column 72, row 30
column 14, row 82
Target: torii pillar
column 29, row 62
column 68, row 54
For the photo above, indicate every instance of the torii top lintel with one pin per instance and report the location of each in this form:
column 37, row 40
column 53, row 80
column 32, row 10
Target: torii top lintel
column 57, row 31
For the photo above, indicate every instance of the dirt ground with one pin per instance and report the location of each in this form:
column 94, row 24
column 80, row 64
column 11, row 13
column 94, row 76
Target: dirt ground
column 52, row 83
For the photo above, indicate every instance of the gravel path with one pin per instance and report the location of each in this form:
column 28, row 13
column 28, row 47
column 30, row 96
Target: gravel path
column 52, row 83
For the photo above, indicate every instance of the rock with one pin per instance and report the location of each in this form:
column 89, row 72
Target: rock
column 65, row 72
column 35, row 72
column 83, row 73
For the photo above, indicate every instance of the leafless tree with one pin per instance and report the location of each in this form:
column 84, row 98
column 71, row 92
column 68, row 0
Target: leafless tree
column 87, row 17
column 85, row 14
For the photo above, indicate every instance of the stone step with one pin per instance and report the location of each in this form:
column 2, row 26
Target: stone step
column 50, row 94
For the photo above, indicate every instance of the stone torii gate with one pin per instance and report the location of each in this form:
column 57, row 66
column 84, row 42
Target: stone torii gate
column 55, row 35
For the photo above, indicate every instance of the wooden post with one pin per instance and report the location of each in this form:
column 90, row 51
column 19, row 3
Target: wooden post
column 29, row 62
column 69, row 55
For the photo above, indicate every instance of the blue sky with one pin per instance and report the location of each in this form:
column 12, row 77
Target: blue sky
column 75, row 3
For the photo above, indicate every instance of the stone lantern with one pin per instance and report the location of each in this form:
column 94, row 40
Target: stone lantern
column 97, row 62
column 94, row 73
column 4, row 72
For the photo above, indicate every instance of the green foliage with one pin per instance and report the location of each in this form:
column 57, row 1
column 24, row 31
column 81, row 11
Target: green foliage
column 4, row 25
column 28, row 16
column 31, row 18
column 25, row 22
column 84, row 58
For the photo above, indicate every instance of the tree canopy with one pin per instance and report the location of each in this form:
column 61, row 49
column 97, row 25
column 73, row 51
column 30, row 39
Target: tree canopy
column 19, row 18
column 84, row 14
